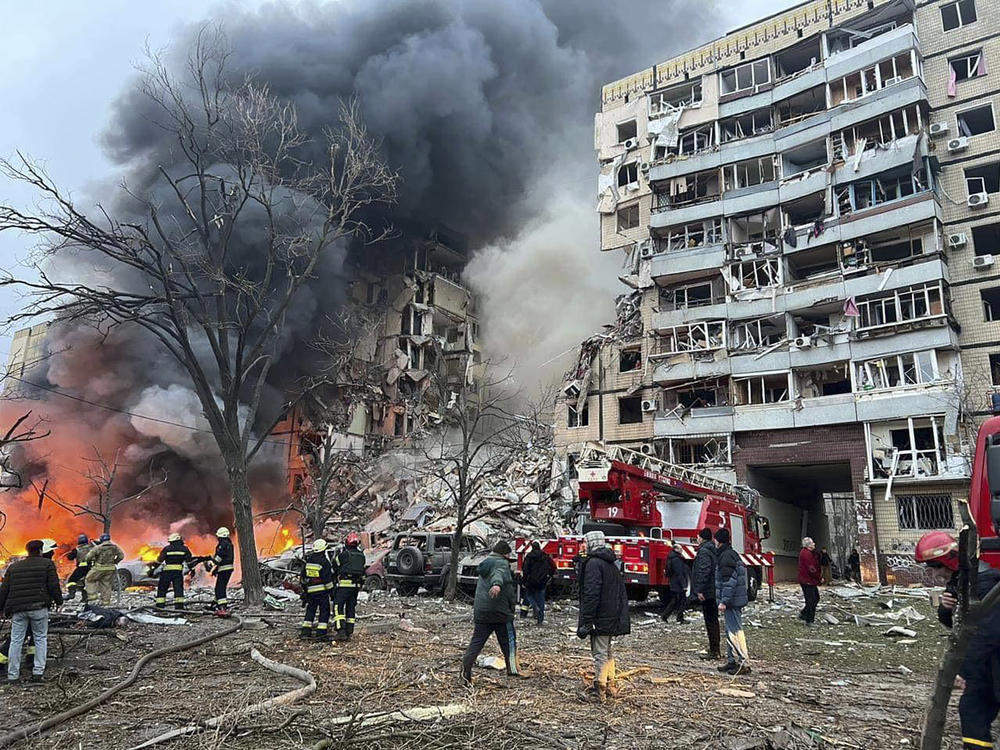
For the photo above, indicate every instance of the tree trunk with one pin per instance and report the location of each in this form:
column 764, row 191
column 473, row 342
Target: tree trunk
column 239, row 487
column 451, row 586
column 106, row 524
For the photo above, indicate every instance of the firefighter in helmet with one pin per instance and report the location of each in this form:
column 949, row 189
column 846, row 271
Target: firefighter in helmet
column 76, row 578
column 223, row 559
column 980, row 701
column 317, row 583
column 172, row 558
column 350, row 572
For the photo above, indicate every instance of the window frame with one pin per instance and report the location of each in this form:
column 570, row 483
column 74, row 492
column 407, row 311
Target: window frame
column 914, row 514
column 993, row 115
column 972, row 65
column 628, row 169
column 576, row 419
column 957, row 5
column 629, row 209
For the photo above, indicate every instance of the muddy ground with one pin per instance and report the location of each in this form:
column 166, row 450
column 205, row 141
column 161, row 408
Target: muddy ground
column 846, row 686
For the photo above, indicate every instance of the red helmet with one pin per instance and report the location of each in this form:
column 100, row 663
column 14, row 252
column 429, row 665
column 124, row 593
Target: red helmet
column 353, row 540
column 938, row 547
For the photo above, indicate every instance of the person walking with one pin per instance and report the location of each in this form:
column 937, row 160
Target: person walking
column 79, row 574
column 678, row 588
column 703, row 589
column 172, row 560
column 537, row 571
column 349, row 573
column 493, row 611
column 103, row 562
column 854, row 563
column 809, row 579
column 731, row 593
column 224, row 563
column 603, row 608
column 28, row 590
column 826, row 567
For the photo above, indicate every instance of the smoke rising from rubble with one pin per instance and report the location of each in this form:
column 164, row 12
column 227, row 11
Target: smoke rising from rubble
column 487, row 110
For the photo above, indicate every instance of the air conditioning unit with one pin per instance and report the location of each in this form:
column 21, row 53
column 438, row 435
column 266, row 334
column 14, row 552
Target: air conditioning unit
column 646, row 250
column 650, row 404
column 957, row 240
column 958, row 144
column 647, row 449
column 938, row 128
column 982, row 261
column 630, row 143
column 890, row 81
column 803, row 342
column 644, row 167
column 978, row 199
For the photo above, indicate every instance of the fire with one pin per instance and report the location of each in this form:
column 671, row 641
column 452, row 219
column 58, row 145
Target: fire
column 147, row 554
column 273, row 537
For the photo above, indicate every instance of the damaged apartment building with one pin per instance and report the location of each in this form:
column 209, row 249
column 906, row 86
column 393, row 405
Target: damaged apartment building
column 808, row 214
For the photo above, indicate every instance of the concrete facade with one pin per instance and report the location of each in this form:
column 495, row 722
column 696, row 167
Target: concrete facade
column 813, row 277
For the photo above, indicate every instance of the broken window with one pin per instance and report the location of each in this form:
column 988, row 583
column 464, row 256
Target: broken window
column 751, row 335
column 806, row 211
column 686, row 296
column 691, row 235
column 924, row 512
column 701, row 394
column 753, row 274
column 871, row 79
column 576, row 417
column 995, row 369
column 983, row 179
column 628, row 174
column 750, row 172
column 701, row 336
column 761, row 389
column 628, row 217
column 873, row 134
column 693, row 188
column 913, row 447
column 803, row 159
column 843, row 39
column 744, row 126
column 747, row 76
column 903, row 305
column 816, row 263
column 826, row 380
column 864, row 194
column 627, row 131
column 708, row 450
column 793, row 60
column 757, row 229
column 630, row 410
column 684, row 95
column 976, row 121
column 629, row 360
column 955, row 15
column 897, row 371
column 991, row 303
column 800, row 107
column 971, row 65
column 986, row 239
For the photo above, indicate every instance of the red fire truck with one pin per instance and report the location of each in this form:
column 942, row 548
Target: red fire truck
column 984, row 494
column 640, row 501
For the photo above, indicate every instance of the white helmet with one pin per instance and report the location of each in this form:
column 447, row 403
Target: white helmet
column 222, row 533
column 175, row 537
column 319, row 545
column 49, row 546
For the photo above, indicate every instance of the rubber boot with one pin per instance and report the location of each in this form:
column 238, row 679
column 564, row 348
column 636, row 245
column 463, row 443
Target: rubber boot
column 305, row 633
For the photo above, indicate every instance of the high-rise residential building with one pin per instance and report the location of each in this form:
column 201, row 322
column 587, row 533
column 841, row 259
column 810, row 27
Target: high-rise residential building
column 808, row 210
column 27, row 349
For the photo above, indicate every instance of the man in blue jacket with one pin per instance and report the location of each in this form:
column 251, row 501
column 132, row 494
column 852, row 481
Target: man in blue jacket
column 493, row 611
column 731, row 593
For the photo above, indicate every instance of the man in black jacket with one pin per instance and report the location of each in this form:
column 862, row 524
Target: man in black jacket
column 536, row 573
column 678, row 588
column 703, row 589
column 30, row 587
column 603, row 607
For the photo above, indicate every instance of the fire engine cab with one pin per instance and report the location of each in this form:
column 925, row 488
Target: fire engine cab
column 639, row 501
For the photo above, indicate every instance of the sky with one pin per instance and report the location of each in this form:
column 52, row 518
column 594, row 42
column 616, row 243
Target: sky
column 64, row 64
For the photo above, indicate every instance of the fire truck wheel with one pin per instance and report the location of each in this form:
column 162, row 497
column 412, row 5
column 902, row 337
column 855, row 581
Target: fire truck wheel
column 638, row 593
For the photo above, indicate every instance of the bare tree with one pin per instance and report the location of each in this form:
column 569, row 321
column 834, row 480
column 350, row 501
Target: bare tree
column 23, row 430
column 175, row 268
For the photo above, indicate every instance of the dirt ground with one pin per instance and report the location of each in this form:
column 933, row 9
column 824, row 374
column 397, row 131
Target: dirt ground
column 846, row 685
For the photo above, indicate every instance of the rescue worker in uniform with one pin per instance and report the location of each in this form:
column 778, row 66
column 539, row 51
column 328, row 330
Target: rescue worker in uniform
column 317, row 585
column 980, row 702
column 350, row 572
column 173, row 558
column 103, row 563
column 76, row 578
column 223, row 559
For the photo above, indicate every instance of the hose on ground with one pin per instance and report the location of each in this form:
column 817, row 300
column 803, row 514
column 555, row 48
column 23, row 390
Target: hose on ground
column 45, row 724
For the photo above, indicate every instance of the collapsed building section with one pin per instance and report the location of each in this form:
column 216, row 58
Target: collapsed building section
column 810, row 313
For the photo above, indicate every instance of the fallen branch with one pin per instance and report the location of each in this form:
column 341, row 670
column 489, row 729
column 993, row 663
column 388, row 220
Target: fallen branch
column 282, row 700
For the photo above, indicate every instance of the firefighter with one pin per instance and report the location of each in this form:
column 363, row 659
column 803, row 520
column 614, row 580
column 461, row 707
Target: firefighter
column 980, row 703
column 79, row 574
column 173, row 558
column 350, row 570
column 223, row 560
column 317, row 584
column 103, row 563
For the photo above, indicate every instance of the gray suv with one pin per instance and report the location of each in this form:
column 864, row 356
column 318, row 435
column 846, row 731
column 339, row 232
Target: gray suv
column 422, row 558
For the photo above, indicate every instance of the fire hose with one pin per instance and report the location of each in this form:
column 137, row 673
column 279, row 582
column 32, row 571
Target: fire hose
column 45, row 724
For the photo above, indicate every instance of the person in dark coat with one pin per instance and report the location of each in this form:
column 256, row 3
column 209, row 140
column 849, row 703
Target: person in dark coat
column 826, row 567
column 854, row 563
column 703, row 590
column 603, row 607
column 677, row 570
column 731, row 593
column 979, row 705
column 536, row 573
column 29, row 589
column 493, row 611
column 809, row 579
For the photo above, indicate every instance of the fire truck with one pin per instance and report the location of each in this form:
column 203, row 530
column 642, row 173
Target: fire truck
column 639, row 501
column 984, row 494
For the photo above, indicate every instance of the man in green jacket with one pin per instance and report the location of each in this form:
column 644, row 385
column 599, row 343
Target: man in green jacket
column 493, row 611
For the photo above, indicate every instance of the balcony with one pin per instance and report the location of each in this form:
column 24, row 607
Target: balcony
column 932, row 268
column 668, row 216
column 688, row 261
column 876, row 161
column 901, row 39
column 716, row 419
column 900, row 403
column 879, row 103
column 836, row 409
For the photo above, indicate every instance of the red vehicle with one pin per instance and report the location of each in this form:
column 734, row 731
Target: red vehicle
column 984, row 495
column 639, row 501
